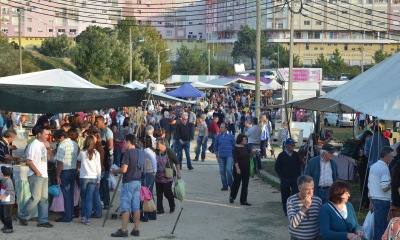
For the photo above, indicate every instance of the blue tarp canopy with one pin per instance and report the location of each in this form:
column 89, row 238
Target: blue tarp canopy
column 186, row 91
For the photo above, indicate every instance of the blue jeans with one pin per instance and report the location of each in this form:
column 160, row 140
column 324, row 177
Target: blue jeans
column 97, row 208
column 323, row 194
column 104, row 188
column 67, row 187
column 212, row 136
column 88, row 186
column 185, row 146
column 203, row 147
column 38, row 187
column 225, row 170
column 117, row 157
column 381, row 210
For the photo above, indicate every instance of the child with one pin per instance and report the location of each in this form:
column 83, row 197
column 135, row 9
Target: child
column 7, row 200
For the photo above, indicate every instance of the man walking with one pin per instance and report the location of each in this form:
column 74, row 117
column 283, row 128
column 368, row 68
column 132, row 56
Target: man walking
column 130, row 191
column 183, row 137
column 67, row 154
column 379, row 190
column 213, row 130
column 323, row 171
column 288, row 168
column 224, row 143
column 302, row 211
column 37, row 154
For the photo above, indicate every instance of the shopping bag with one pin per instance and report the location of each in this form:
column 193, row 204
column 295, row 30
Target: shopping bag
column 54, row 190
column 368, row 226
column 77, row 194
column 112, row 183
column 179, row 190
column 145, row 194
column 58, row 203
column 148, row 206
column 251, row 167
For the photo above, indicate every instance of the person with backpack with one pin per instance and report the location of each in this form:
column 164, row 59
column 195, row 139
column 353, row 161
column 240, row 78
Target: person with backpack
column 130, row 191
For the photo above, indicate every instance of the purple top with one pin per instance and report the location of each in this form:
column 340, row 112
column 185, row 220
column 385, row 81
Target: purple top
column 162, row 163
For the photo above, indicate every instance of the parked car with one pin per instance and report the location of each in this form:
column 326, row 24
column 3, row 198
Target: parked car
column 270, row 75
column 343, row 76
column 339, row 120
column 331, row 78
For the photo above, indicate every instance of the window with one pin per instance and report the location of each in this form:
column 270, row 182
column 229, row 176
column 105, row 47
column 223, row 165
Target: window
column 345, row 12
column 190, row 33
column 159, row 22
column 307, row 46
column 168, row 33
column 368, row 11
column 346, row 46
column 139, row 11
column 318, row 23
column 315, row 48
column 297, row 35
column 5, row 11
column 190, row 23
column 368, row 22
column 40, row 30
column 50, row 30
column 139, row 1
column 29, row 19
column 307, row 22
column 104, row 11
column 317, row 35
column 181, row 33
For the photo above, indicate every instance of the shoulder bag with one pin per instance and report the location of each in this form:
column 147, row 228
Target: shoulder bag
column 334, row 208
column 169, row 172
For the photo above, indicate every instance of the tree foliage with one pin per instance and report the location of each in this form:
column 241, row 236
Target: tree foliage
column 279, row 54
column 191, row 61
column 57, row 46
column 379, row 56
column 9, row 58
column 245, row 46
column 336, row 64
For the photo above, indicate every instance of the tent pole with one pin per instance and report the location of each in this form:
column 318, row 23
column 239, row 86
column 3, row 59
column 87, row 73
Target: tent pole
column 288, row 120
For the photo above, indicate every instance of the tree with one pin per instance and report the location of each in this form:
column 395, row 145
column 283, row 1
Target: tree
column 221, row 68
column 281, row 55
column 191, row 61
column 93, row 52
column 323, row 63
column 336, row 64
column 379, row 56
column 245, row 46
column 9, row 58
column 56, row 46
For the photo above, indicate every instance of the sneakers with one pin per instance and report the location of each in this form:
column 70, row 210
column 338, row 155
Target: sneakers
column 83, row 220
column 135, row 233
column 245, row 204
column 190, row 168
column 231, row 199
column 224, row 189
column 45, row 225
column 22, row 221
column 87, row 222
column 7, row 230
column 120, row 233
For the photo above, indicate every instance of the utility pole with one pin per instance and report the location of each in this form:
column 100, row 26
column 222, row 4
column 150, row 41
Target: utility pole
column 19, row 40
column 362, row 58
column 130, row 54
column 290, row 85
column 209, row 67
column 258, row 59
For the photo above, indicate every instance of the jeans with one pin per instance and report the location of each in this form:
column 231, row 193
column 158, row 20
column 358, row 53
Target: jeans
column 185, row 146
column 203, row 148
column 97, row 208
column 117, row 157
column 212, row 136
column 225, row 170
column 381, row 209
column 67, row 187
column 38, row 187
column 323, row 194
column 88, row 186
column 104, row 188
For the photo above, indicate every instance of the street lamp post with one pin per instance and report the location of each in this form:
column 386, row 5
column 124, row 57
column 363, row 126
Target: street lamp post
column 130, row 53
column 158, row 64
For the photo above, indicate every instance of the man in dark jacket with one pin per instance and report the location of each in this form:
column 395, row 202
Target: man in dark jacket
column 288, row 168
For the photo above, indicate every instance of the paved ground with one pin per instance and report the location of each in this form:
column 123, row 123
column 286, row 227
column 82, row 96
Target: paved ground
column 207, row 214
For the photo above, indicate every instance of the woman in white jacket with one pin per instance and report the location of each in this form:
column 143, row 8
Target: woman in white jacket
column 90, row 173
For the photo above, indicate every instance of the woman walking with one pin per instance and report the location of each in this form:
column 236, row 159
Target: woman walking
column 241, row 169
column 90, row 173
column 166, row 158
column 201, row 140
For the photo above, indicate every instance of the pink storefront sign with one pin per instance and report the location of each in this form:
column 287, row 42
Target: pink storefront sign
column 302, row 74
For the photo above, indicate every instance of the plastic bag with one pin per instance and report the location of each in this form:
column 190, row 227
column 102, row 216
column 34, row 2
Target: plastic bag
column 58, row 203
column 145, row 194
column 368, row 226
column 54, row 190
column 112, row 183
column 77, row 194
column 251, row 167
column 148, row 206
column 179, row 190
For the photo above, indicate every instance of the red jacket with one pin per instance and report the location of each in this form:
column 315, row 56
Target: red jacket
column 213, row 127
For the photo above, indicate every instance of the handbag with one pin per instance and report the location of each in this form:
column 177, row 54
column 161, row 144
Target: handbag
column 169, row 172
column 334, row 208
column 54, row 190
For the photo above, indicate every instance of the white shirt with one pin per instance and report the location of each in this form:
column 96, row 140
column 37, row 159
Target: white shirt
column 37, row 153
column 379, row 178
column 325, row 174
column 90, row 168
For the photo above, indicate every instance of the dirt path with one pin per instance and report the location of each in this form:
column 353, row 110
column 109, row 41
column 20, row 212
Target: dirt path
column 207, row 214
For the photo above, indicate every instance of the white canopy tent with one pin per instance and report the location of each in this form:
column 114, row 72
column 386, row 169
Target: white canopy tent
column 205, row 85
column 373, row 92
column 190, row 78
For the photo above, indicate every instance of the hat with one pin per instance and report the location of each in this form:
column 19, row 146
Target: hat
column 329, row 148
column 6, row 171
column 290, row 141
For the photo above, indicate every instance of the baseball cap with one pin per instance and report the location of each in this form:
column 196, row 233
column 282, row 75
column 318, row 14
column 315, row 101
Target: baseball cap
column 290, row 141
column 329, row 148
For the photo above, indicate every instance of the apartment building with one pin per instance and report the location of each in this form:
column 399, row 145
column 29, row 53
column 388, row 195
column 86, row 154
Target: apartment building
column 41, row 19
column 177, row 21
column 355, row 27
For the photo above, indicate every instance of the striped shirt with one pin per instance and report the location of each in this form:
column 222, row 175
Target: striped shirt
column 379, row 178
column 67, row 153
column 224, row 144
column 303, row 225
column 325, row 177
